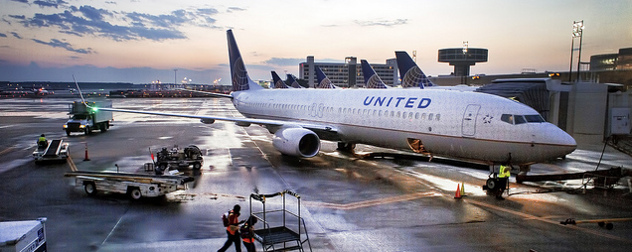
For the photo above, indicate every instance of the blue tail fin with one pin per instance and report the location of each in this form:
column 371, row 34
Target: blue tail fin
column 238, row 72
column 292, row 81
column 371, row 79
column 411, row 74
column 323, row 81
column 278, row 83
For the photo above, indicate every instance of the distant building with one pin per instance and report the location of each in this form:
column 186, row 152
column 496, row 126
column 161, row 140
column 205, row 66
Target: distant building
column 348, row 74
column 612, row 61
column 462, row 58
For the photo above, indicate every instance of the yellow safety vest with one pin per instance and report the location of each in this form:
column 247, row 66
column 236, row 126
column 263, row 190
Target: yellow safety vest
column 41, row 139
column 504, row 172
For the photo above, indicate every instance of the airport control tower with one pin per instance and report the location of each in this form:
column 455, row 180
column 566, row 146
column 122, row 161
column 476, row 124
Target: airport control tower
column 462, row 58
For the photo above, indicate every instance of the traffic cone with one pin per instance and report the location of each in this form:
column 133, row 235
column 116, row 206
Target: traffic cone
column 462, row 189
column 86, row 157
column 457, row 194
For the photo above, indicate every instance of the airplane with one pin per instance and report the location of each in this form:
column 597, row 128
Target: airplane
column 471, row 126
column 371, row 79
column 278, row 83
column 293, row 82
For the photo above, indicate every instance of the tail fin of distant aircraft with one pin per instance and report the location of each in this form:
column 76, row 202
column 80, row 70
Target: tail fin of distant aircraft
column 238, row 72
column 371, row 79
column 278, row 83
column 322, row 79
column 411, row 74
column 293, row 82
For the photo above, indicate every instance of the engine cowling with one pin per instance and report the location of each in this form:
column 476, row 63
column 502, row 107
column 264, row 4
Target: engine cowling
column 298, row 142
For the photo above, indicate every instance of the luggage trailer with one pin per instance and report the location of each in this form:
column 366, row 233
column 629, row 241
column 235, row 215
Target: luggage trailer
column 134, row 185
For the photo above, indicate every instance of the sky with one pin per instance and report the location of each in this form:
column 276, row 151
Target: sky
column 141, row 41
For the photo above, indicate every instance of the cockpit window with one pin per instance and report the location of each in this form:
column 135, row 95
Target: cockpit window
column 520, row 119
column 534, row 118
column 507, row 118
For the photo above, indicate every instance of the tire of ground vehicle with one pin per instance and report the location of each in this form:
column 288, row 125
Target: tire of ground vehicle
column 104, row 127
column 90, row 188
column 197, row 166
column 491, row 184
column 67, row 132
column 134, row 193
column 87, row 130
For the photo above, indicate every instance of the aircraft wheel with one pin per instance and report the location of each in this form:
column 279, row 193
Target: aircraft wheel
column 90, row 188
column 346, row 146
column 135, row 194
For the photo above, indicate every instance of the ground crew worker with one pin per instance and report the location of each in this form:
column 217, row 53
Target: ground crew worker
column 503, row 177
column 248, row 233
column 233, row 230
column 42, row 142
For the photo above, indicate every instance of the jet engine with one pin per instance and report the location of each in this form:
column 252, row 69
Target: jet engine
column 298, row 142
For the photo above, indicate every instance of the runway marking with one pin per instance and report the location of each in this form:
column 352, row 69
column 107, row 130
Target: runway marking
column 6, row 150
column 375, row 202
column 557, row 223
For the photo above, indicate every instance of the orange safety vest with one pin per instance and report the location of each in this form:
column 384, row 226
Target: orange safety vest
column 247, row 233
column 233, row 223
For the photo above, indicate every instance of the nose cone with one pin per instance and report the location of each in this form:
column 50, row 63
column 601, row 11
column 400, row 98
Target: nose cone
column 561, row 142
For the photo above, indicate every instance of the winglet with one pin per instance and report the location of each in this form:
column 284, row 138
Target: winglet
column 322, row 79
column 278, row 83
column 79, row 89
column 371, row 79
column 411, row 74
column 239, row 76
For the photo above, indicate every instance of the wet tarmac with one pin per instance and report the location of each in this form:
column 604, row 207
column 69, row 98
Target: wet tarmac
column 401, row 203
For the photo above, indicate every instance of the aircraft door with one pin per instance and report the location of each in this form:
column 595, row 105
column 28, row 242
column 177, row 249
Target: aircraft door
column 468, row 129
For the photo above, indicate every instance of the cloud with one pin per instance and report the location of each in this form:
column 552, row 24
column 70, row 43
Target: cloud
column 21, row 1
column 88, row 20
column 386, row 23
column 2, row 35
column 50, row 3
column 64, row 45
column 284, row 61
column 234, row 9
column 15, row 34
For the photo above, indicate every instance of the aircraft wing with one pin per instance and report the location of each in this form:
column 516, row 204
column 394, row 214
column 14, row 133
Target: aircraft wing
column 272, row 125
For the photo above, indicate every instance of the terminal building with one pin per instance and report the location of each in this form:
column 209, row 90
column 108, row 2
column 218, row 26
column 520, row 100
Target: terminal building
column 348, row 74
column 613, row 61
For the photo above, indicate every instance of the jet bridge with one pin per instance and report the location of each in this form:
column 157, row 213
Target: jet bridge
column 282, row 229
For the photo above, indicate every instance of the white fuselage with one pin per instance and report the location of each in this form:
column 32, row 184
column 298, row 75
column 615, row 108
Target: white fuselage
column 459, row 124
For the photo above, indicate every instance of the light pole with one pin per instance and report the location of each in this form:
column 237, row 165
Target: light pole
column 578, row 27
column 175, row 76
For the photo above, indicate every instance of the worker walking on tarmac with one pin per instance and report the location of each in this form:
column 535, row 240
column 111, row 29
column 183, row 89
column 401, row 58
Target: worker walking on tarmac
column 248, row 234
column 503, row 178
column 232, row 223
column 42, row 143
